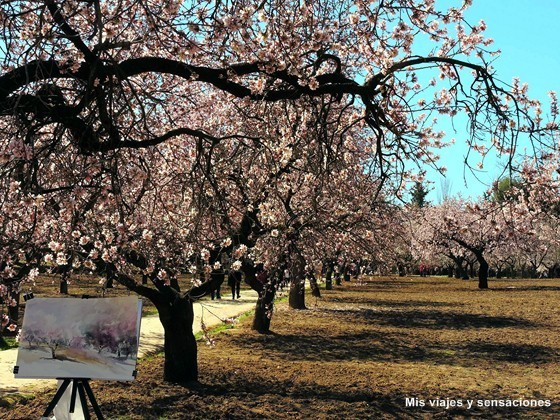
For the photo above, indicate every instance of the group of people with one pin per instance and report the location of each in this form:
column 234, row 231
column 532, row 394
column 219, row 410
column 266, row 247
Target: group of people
column 344, row 270
column 234, row 282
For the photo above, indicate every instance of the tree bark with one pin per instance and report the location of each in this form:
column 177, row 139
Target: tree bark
column 297, row 293
column 338, row 277
column 64, row 280
column 263, row 310
column 297, row 282
column 265, row 302
column 315, row 291
column 13, row 311
column 328, row 279
column 460, row 271
column 63, row 287
column 179, row 342
column 471, row 269
column 482, row 272
column 176, row 315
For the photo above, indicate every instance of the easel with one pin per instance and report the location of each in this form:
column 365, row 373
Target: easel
column 81, row 388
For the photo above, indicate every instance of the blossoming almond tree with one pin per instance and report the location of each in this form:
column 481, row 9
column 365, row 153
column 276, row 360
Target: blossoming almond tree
column 476, row 227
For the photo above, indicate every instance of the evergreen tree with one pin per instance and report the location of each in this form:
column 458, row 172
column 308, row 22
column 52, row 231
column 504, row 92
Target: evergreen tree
column 418, row 194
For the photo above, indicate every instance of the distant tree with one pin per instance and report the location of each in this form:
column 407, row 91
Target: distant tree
column 476, row 227
column 418, row 194
column 444, row 192
column 505, row 188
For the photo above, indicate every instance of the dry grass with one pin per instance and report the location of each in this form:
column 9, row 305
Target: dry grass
column 361, row 351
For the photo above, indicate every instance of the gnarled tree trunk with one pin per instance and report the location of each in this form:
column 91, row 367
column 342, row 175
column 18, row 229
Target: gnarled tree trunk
column 265, row 302
column 13, row 311
column 179, row 343
column 64, row 280
column 328, row 278
column 482, row 272
column 315, row 291
column 297, row 284
column 176, row 315
column 263, row 310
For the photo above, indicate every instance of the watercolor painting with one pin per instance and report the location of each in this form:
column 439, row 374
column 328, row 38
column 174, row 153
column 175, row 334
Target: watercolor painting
column 79, row 338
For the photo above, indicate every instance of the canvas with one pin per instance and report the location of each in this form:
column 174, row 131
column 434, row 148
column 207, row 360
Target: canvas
column 79, row 338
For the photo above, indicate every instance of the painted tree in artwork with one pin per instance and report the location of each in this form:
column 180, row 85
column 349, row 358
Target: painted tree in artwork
column 125, row 132
column 102, row 338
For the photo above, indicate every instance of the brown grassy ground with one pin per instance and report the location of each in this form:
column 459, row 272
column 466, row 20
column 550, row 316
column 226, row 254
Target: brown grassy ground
column 360, row 351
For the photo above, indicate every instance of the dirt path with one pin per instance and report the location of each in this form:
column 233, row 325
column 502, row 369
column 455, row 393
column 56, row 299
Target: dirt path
column 151, row 338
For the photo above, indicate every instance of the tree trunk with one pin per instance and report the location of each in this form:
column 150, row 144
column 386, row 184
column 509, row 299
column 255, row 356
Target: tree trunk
column 469, row 269
column 315, row 291
column 13, row 311
column 337, row 278
column 482, row 272
column 64, row 280
column 297, row 282
column 328, row 279
column 263, row 310
column 63, row 286
column 460, row 271
column 265, row 302
column 179, row 342
column 297, row 293
column 174, row 283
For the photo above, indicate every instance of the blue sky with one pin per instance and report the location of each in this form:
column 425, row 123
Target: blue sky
column 528, row 34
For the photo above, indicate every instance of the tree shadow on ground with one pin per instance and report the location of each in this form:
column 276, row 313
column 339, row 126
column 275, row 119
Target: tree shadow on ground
column 433, row 282
column 527, row 289
column 376, row 346
column 390, row 284
column 399, row 284
column 393, row 303
column 428, row 318
column 266, row 397
column 514, row 353
column 246, row 398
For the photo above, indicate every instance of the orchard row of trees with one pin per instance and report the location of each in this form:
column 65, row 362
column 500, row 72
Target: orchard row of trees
column 145, row 138
column 513, row 232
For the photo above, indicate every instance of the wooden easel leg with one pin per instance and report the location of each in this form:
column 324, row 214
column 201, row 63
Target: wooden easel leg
column 73, row 396
column 94, row 405
column 83, row 400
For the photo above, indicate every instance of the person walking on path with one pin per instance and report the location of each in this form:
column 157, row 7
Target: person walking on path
column 234, row 282
column 219, row 275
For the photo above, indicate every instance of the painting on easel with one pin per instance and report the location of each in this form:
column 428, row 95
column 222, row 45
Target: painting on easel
column 79, row 338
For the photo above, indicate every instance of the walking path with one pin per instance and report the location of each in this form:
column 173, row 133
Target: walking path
column 151, row 337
